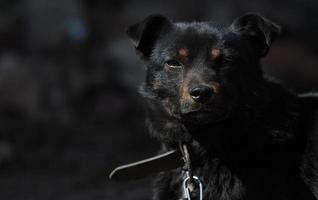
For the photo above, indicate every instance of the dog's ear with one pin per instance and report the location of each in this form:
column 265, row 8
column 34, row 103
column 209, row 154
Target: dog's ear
column 261, row 32
column 145, row 33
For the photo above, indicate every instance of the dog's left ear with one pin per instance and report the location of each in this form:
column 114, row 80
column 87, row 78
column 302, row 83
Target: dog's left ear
column 261, row 32
column 145, row 33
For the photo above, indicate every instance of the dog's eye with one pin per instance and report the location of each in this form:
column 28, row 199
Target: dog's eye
column 173, row 64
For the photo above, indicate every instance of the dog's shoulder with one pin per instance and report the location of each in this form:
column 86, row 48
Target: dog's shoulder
column 309, row 112
column 309, row 102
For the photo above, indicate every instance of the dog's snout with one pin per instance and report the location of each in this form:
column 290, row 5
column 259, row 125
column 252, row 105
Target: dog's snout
column 201, row 93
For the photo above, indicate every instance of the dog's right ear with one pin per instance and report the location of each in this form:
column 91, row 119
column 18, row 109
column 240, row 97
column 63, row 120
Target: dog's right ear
column 145, row 33
column 260, row 31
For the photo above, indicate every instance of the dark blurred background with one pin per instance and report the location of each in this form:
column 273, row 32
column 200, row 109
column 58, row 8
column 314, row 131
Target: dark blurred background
column 69, row 109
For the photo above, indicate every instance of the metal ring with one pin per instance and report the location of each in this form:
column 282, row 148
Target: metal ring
column 186, row 189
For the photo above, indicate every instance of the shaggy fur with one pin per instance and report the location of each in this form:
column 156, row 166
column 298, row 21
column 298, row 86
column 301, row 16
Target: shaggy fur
column 248, row 137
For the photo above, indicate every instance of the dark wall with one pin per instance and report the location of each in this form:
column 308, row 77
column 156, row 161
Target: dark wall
column 69, row 110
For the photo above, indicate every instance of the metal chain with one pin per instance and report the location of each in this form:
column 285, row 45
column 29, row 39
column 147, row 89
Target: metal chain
column 190, row 181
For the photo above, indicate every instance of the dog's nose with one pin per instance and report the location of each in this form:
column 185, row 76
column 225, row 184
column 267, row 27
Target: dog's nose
column 201, row 93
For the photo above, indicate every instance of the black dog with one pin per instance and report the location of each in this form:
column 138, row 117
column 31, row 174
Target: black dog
column 248, row 137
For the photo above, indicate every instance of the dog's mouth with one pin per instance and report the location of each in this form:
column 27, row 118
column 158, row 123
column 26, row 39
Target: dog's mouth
column 190, row 107
column 203, row 113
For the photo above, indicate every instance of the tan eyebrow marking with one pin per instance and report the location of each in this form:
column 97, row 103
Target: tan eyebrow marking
column 215, row 53
column 183, row 53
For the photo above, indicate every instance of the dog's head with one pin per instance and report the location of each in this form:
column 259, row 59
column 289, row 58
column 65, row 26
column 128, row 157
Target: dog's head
column 200, row 71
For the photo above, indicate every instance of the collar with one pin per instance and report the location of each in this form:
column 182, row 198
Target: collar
column 163, row 162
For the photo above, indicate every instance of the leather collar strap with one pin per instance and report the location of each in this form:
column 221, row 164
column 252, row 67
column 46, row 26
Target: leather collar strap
column 141, row 169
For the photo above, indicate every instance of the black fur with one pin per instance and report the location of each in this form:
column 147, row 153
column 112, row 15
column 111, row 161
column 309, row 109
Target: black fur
column 249, row 138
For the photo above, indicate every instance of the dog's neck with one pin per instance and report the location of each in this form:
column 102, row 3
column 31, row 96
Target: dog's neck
column 250, row 175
